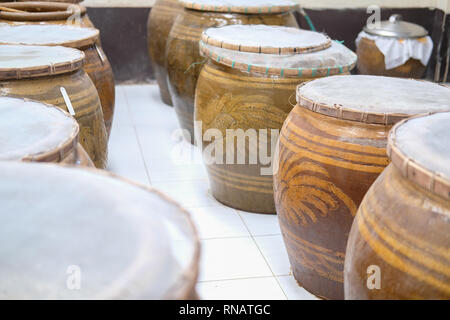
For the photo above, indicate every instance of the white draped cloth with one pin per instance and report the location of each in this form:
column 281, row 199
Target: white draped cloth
column 398, row 51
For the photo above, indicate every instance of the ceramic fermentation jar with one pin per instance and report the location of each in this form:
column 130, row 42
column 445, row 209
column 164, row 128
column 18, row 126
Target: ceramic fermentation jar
column 399, row 242
column 54, row 75
column 332, row 148
column 244, row 93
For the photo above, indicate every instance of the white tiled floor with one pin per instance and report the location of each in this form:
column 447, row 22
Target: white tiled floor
column 243, row 255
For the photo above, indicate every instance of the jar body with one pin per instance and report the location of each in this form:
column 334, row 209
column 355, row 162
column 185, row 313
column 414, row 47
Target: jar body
column 84, row 99
column 184, row 61
column 99, row 69
column 228, row 99
column 160, row 21
column 325, row 166
column 371, row 61
column 404, row 231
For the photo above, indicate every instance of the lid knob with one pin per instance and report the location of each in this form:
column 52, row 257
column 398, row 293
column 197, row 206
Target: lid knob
column 395, row 18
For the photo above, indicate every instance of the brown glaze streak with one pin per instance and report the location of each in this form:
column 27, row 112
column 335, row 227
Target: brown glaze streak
column 160, row 21
column 326, row 165
column 100, row 71
column 230, row 99
column 403, row 229
column 184, row 62
column 371, row 61
column 85, row 101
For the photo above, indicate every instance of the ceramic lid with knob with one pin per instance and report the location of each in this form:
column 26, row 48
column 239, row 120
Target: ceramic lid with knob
column 65, row 234
column 395, row 27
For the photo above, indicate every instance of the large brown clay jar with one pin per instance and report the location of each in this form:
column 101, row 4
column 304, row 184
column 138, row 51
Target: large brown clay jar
column 332, row 148
column 38, row 12
column 160, row 21
column 39, row 73
column 96, row 63
column 184, row 61
column 371, row 61
column 233, row 96
column 399, row 243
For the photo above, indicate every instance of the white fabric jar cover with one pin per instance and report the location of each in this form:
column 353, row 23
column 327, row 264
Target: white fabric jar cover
column 398, row 51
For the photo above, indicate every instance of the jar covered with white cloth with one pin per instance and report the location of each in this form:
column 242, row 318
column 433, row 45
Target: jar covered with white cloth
column 394, row 48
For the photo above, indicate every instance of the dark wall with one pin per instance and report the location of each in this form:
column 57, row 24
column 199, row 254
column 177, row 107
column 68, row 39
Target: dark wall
column 124, row 39
column 124, row 35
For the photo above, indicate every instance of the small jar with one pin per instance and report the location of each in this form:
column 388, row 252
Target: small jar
column 394, row 48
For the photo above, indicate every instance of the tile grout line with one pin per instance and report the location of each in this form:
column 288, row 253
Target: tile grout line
column 236, row 279
column 259, row 249
column 137, row 137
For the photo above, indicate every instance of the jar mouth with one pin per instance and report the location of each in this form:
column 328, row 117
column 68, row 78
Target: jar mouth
column 58, row 60
column 239, row 8
column 41, row 11
column 413, row 167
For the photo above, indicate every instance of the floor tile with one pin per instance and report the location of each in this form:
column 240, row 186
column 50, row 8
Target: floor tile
column 242, row 289
column 232, row 258
column 218, row 222
column 293, row 291
column 274, row 251
column 125, row 158
column 193, row 193
column 121, row 111
column 261, row 224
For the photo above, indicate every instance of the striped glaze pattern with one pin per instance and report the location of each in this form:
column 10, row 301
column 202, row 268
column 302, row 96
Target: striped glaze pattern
column 85, row 102
column 160, row 21
column 405, row 231
column 99, row 69
column 184, row 61
column 229, row 99
column 325, row 166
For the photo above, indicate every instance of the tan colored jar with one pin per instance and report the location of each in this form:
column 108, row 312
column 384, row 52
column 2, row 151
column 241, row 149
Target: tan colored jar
column 160, row 21
column 246, row 92
column 400, row 236
column 96, row 64
column 183, row 58
column 332, row 148
column 46, row 12
column 37, row 132
column 42, row 74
